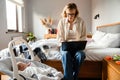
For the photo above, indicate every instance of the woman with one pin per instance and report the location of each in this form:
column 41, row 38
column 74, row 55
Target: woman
column 71, row 28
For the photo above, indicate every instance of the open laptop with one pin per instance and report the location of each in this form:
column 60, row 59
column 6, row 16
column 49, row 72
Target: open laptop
column 74, row 45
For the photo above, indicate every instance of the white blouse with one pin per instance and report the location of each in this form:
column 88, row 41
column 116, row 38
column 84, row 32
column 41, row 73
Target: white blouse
column 71, row 35
column 79, row 30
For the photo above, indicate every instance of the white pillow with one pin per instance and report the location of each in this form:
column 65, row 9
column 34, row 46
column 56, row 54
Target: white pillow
column 98, row 35
column 115, row 40
column 94, row 45
column 110, row 40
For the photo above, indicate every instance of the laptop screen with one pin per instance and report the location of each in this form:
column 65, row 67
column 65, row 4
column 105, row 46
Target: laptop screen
column 73, row 45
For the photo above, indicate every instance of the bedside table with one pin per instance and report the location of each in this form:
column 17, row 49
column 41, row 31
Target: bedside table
column 48, row 36
column 110, row 70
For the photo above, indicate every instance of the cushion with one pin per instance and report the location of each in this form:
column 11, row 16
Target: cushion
column 98, row 35
column 110, row 40
column 94, row 45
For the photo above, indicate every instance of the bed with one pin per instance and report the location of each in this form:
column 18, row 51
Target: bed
column 97, row 48
column 95, row 52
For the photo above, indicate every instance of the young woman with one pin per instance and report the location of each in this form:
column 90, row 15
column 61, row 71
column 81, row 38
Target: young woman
column 71, row 28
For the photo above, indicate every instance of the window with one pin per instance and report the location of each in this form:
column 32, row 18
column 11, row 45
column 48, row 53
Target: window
column 14, row 13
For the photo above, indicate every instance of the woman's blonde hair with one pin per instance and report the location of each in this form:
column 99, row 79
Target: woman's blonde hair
column 69, row 6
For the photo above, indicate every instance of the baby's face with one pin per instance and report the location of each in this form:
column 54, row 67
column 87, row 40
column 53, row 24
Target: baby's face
column 22, row 66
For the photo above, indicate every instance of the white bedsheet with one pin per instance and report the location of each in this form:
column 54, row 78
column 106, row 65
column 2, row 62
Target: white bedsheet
column 92, row 54
column 97, row 54
column 52, row 52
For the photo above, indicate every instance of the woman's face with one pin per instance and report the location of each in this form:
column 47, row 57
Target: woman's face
column 71, row 14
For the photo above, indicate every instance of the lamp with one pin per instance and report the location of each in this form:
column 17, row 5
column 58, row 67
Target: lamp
column 96, row 16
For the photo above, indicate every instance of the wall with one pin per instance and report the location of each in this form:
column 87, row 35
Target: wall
column 43, row 8
column 109, row 11
column 5, row 37
column 36, row 9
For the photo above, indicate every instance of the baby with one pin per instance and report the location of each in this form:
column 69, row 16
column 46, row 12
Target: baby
column 29, row 69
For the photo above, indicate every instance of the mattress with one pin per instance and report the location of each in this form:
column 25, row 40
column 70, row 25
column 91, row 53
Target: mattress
column 97, row 54
column 93, row 54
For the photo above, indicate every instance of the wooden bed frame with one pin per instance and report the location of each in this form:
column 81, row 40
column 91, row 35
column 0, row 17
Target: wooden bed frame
column 89, row 69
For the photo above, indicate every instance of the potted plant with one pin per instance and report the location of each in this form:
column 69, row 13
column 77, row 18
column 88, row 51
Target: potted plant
column 30, row 37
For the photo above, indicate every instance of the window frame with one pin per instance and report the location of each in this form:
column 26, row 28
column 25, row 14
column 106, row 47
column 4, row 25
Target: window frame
column 17, row 27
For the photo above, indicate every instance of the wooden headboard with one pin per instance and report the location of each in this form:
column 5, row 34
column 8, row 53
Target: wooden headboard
column 110, row 28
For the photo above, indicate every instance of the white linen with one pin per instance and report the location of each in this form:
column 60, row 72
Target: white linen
column 94, row 45
column 52, row 43
column 105, row 40
column 52, row 52
column 97, row 51
column 110, row 40
column 97, row 54
column 98, row 35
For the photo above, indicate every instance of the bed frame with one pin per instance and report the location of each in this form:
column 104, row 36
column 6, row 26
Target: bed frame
column 89, row 69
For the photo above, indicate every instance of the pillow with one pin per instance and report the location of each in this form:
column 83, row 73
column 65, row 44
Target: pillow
column 94, row 45
column 110, row 40
column 115, row 43
column 98, row 35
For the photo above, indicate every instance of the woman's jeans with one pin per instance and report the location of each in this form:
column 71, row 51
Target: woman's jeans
column 71, row 62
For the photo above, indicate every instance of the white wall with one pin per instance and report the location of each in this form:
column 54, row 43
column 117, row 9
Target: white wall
column 36, row 9
column 109, row 11
column 43, row 8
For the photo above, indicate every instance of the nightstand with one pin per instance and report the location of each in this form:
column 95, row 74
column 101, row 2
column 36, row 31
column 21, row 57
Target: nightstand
column 48, row 36
column 110, row 70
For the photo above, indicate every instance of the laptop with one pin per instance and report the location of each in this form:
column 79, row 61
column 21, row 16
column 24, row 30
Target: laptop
column 74, row 45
